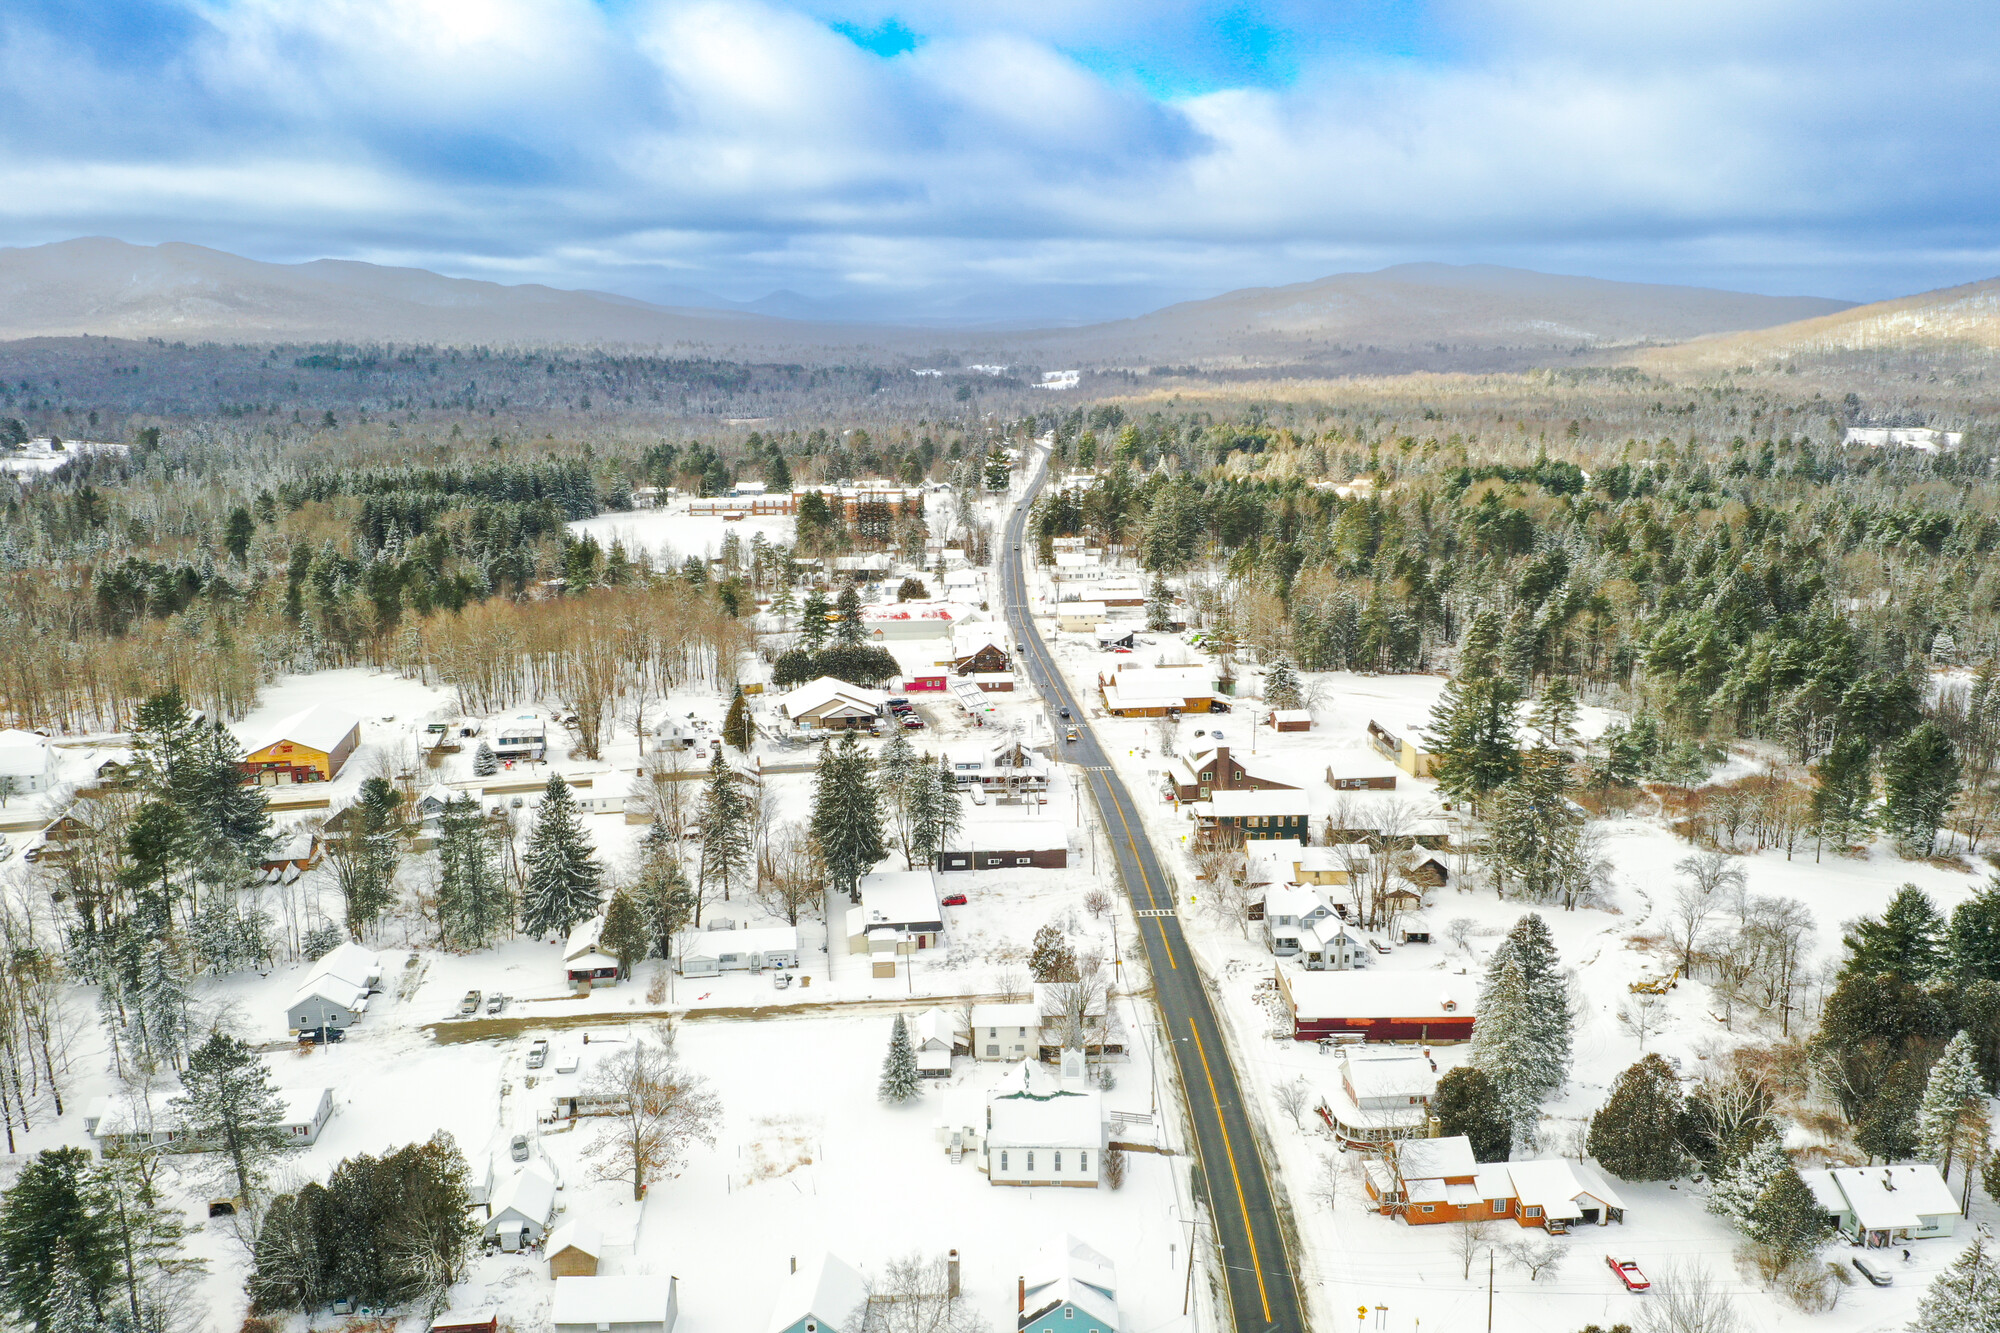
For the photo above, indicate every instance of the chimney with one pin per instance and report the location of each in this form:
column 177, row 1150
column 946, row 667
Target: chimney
column 795, row 1263
column 1024, row 1293
column 951, row 1288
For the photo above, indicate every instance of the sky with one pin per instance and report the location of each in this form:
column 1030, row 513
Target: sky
column 1018, row 160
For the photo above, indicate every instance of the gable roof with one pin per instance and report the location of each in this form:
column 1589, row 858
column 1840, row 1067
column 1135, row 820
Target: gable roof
column 831, row 691
column 827, row 1289
column 1074, row 1273
column 1021, row 1116
column 1435, row 1159
column 24, row 754
column 1244, row 804
column 320, row 727
column 529, row 1192
column 580, row 1235
column 1888, row 1197
column 1379, row 1072
column 1417, row 995
column 611, row 1300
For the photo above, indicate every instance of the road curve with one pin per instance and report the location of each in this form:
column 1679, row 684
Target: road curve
column 1262, row 1293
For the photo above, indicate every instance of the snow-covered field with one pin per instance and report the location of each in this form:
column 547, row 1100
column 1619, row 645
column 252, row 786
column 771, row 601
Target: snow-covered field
column 671, row 535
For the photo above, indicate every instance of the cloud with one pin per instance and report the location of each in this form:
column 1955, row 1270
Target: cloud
column 946, row 153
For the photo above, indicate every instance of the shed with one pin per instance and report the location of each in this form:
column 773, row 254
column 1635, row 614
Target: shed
column 1291, row 719
column 615, row 1305
column 466, row 1321
column 574, row 1249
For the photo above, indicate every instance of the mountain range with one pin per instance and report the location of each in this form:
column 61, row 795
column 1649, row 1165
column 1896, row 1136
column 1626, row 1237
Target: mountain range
column 1409, row 316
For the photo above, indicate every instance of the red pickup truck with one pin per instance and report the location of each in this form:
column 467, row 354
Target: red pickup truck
column 1628, row 1273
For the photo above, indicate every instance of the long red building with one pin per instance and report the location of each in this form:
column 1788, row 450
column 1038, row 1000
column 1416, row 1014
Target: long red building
column 1378, row 1006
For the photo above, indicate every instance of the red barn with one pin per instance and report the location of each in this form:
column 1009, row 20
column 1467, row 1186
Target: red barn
column 1378, row 1006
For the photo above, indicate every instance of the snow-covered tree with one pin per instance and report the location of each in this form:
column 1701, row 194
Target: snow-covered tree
column 1738, row 1186
column 485, row 763
column 1787, row 1219
column 473, row 902
column 228, row 1101
column 1522, row 1039
column 564, row 881
column 936, row 813
column 736, row 728
column 1051, row 959
column 1965, row 1298
column 901, row 1080
column 1281, row 685
column 1636, row 1134
column 846, row 815
column 899, row 771
column 724, row 821
column 1952, row 1116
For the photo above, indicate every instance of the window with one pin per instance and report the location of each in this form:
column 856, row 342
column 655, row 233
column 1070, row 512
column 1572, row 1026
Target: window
column 1058, row 1159
column 993, row 1050
column 1083, row 1162
column 1021, row 860
column 1031, row 1159
column 1427, row 1208
column 1534, row 1211
column 1069, row 1312
column 1003, row 1159
column 1499, row 1205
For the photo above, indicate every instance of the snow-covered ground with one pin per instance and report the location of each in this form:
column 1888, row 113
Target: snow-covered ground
column 672, row 534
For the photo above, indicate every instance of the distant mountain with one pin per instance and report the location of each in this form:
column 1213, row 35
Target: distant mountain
column 1953, row 319
column 1414, row 316
column 1439, row 309
column 191, row 293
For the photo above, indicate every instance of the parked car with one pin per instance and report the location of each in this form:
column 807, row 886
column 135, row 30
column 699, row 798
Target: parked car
column 913, row 723
column 1378, row 945
column 495, row 1002
column 469, row 1005
column 538, row 1053
column 1876, row 1276
column 319, row 1036
column 1218, row 707
column 6, row 850
column 1628, row 1273
column 953, row 900
column 518, row 1149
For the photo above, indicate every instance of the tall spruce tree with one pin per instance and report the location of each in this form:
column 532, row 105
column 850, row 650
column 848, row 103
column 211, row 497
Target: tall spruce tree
column 736, row 728
column 1787, row 1219
column 1553, row 714
column 485, row 763
column 1844, row 793
column 901, row 1079
column 365, row 848
column 229, row 1103
column 813, row 625
column 1281, row 684
column 1635, row 1135
column 724, row 822
column 1735, row 1190
column 1907, row 942
column 1965, row 1298
column 626, row 936
column 661, row 889
column 1472, row 737
column 565, row 880
column 899, row 775
column 846, row 816
column 1974, row 936
column 849, row 632
column 1952, row 1117
column 474, row 905
column 1468, row 1103
column 55, row 1239
column 937, row 813
column 1920, row 780
column 1522, row 1039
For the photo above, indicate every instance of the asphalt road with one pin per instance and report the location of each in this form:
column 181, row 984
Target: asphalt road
column 1256, row 1264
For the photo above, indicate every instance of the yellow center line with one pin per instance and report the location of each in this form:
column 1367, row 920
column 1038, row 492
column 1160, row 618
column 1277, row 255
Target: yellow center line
column 1242, row 1204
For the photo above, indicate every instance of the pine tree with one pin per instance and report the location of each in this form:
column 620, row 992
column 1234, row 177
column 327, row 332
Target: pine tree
column 1468, row 1103
column 813, row 627
column 1886, row 1126
column 777, row 474
column 1920, row 779
column 1735, row 1191
column 1554, row 713
column 938, row 813
column 1051, row 959
column 1952, row 1116
column 899, row 775
column 784, row 603
column 1635, row 1135
column 164, row 1006
column 666, row 903
column 1965, row 1298
column 849, row 632
column 625, row 934
column 564, row 876
column 1472, row 737
column 1975, row 935
column 736, row 728
column 70, row 1307
column 1159, row 606
column 229, row 1103
column 724, row 822
column 366, row 850
column 846, row 816
column 53, row 1219
column 1787, row 1219
column 1522, row 1039
column 1281, row 685
column 1907, row 942
column 901, row 1079
column 1843, row 794
column 227, row 812
column 485, row 763
column 473, row 902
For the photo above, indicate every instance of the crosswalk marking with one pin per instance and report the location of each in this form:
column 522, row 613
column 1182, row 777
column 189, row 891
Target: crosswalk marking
column 1156, row 911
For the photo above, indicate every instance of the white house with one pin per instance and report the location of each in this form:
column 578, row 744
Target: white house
column 586, row 962
column 521, row 1207
column 1010, row 1031
column 27, row 764
column 823, row 1295
column 523, row 736
column 132, row 1121
column 1073, row 1289
column 336, row 989
column 1288, row 910
column 935, row 1036
column 1383, row 1093
column 1878, row 1206
column 1007, row 768
column 709, row 953
column 1040, row 1132
column 615, row 1305
column 899, row 913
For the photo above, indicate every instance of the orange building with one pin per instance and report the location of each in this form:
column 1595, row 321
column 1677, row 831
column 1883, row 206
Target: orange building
column 308, row 746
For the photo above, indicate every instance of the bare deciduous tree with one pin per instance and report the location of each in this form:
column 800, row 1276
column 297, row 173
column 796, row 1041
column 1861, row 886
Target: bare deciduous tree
column 914, row 1296
column 1536, row 1255
column 661, row 1108
column 1474, row 1238
column 1643, row 1014
column 1292, row 1099
column 1688, row 1299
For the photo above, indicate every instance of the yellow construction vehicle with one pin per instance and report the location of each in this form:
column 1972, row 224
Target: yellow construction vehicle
column 1657, row 985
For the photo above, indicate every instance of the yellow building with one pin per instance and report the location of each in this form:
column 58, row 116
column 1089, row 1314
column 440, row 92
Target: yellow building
column 308, row 746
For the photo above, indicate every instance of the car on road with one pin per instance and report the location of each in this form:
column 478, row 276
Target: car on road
column 495, row 1002
column 953, row 900
column 1876, row 1276
column 469, row 1005
column 518, row 1149
column 538, row 1053
column 1063, row 713
column 1628, row 1272
column 1069, row 733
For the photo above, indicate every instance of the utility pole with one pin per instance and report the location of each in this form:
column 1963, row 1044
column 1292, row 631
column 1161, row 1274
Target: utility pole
column 1489, row 1291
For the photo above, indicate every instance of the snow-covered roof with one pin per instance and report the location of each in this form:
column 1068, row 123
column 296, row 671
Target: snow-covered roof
column 1270, row 859
column 1384, row 1072
column 828, row 692
column 23, row 754
column 1014, row 835
column 320, row 727
column 1023, row 1112
column 935, row 1025
column 1555, row 1185
column 333, row 991
column 969, row 639
column 583, row 938
column 1290, row 900
column 1007, row 1014
column 353, row 963
column 1435, row 1159
column 598, row 1301
column 529, row 1193
column 1825, row 1192
column 1075, row 1273
column 581, row 1235
column 119, row 1114
column 466, row 1318
column 1137, row 687
column 1282, row 715
column 756, row 939
column 1889, row 1197
column 1340, row 856
column 900, row 897
column 1380, row 995
column 827, row 1289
